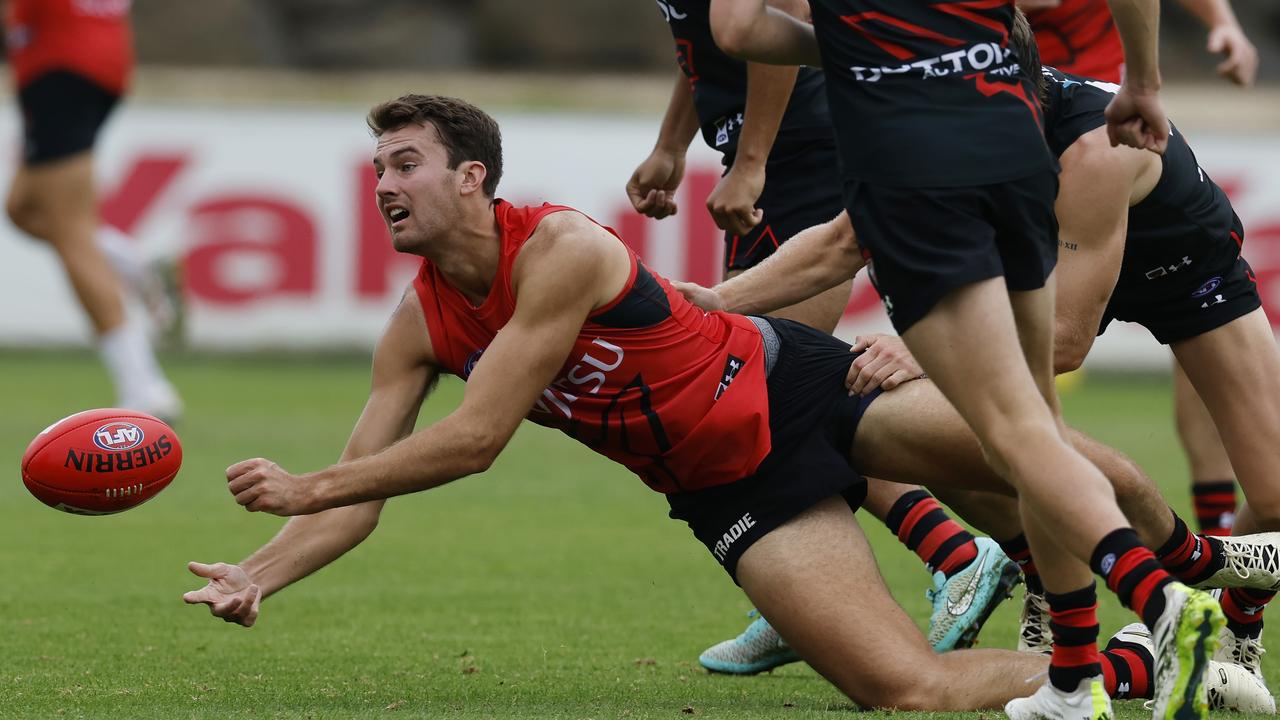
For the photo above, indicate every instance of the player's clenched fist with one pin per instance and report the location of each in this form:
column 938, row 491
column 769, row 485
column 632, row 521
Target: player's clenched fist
column 230, row 594
column 263, row 486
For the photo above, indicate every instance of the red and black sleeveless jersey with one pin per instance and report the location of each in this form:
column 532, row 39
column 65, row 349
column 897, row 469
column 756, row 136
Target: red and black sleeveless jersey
column 89, row 37
column 675, row 394
column 1079, row 37
column 1185, row 202
column 719, row 82
column 928, row 94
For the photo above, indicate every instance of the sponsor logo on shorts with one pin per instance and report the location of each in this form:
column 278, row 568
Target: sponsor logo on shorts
column 118, row 436
column 470, row 364
column 1213, row 284
column 725, row 127
column 730, row 536
column 1159, row 272
column 731, row 367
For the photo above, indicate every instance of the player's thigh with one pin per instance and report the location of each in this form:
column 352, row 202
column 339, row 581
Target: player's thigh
column 1236, row 371
column 912, row 435
column 817, row 582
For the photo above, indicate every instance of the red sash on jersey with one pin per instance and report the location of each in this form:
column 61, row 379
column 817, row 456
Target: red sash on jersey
column 89, row 37
column 681, row 401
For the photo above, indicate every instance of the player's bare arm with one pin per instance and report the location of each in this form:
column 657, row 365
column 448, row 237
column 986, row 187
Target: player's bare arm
column 652, row 187
column 403, row 374
column 733, row 201
column 813, row 261
column 1226, row 37
column 1135, row 116
column 1098, row 184
column 569, row 267
column 751, row 30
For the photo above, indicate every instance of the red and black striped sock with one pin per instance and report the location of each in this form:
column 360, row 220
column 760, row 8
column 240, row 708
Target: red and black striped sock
column 1073, row 619
column 1189, row 557
column 1243, row 608
column 1019, row 552
column 1215, row 506
column 1126, row 670
column 925, row 528
column 1132, row 573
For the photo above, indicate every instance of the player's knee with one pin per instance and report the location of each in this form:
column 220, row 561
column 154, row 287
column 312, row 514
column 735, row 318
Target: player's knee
column 1068, row 359
column 21, row 212
column 911, row 693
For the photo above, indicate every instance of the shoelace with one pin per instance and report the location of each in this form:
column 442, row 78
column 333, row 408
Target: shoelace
column 1244, row 558
column 1248, row 652
column 1033, row 624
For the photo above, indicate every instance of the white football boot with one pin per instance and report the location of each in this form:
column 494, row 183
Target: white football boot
column 1034, row 634
column 1252, row 561
column 1088, row 701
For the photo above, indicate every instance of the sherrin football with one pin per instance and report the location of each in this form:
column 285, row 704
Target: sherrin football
column 100, row 462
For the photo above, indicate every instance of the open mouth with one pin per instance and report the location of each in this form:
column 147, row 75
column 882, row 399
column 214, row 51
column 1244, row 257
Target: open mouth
column 396, row 215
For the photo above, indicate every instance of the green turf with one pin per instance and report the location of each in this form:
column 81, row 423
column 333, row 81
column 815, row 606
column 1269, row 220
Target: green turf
column 553, row 586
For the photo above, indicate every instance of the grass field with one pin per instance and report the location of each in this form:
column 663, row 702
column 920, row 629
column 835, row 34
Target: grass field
column 551, row 587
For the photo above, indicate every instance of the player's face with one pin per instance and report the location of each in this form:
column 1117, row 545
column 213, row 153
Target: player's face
column 417, row 192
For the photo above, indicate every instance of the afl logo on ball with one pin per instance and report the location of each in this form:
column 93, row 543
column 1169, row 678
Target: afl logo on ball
column 118, row 436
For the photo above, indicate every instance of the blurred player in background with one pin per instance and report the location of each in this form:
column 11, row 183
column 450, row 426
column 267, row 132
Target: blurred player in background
column 72, row 61
column 772, row 125
column 1079, row 37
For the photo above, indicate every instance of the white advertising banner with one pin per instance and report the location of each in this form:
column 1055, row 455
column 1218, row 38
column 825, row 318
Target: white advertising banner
column 271, row 213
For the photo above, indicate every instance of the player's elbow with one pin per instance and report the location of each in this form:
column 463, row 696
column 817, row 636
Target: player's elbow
column 730, row 30
column 1068, row 358
column 483, row 452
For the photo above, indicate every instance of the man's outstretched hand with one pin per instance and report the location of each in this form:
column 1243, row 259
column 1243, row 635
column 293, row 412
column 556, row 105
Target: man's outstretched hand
column 230, row 594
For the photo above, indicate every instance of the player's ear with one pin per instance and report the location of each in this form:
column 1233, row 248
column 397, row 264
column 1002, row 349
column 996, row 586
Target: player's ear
column 473, row 174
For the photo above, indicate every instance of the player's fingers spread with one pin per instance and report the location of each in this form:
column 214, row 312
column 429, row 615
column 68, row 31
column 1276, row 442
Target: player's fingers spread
column 214, row 571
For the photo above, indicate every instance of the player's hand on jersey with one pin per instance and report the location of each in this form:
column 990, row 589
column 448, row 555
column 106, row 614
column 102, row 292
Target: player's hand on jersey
column 652, row 187
column 733, row 201
column 705, row 298
column 230, row 593
column 884, row 363
column 1136, row 118
column 263, row 486
column 1241, row 64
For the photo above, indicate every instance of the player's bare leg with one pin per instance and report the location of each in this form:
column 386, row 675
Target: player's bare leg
column 1238, row 368
column 816, row 579
column 55, row 202
column 1067, row 499
column 1213, row 485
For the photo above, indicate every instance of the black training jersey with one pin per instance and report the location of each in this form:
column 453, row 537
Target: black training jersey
column 719, row 82
column 928, row 94
column 1184, row 200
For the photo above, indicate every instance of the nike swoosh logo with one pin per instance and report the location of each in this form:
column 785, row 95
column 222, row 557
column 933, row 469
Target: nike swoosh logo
column 961, row 606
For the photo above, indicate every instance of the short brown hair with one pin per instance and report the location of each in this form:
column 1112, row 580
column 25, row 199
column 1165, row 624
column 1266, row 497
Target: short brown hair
column 1023, row 41
column 466, row 131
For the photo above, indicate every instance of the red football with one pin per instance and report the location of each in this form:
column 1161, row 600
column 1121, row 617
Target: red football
column 99, row 462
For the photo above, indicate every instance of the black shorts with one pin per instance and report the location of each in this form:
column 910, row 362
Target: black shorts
column 801, row 189
column 61, row 114
column 925, row 243
column 812, row 421
column 1185, row 285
